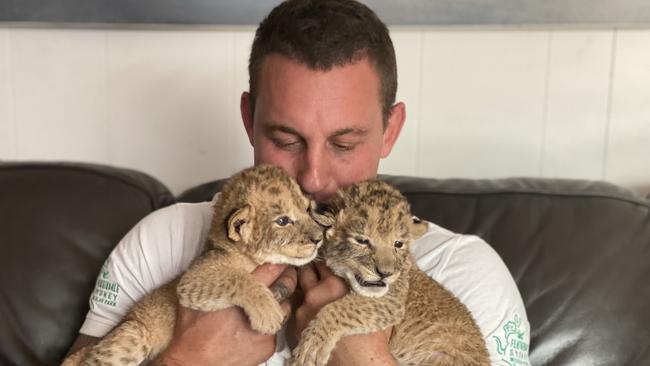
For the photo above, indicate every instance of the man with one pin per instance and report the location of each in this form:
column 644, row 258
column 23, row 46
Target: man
column 321, row 105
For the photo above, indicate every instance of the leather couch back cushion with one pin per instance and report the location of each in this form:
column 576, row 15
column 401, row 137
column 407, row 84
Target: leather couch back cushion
column 579, row 251
column 58, row 223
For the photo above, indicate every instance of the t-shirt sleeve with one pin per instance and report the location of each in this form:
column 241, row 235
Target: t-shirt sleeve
column 469, row 268
column 151, row 254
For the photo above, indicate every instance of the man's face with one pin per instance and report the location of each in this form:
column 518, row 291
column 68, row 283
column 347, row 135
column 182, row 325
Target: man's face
column 324, row 128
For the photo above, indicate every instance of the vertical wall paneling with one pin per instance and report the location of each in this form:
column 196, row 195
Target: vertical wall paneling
column 578, row 89
column 6, row 115
column 58, row 79
column 484, row 93
column 628, row 150
column 169, row 103
column 403, row 158
column 480, row 103
column 241, row 155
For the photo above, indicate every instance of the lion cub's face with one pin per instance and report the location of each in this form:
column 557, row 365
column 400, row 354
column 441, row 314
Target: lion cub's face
column 269, row 217
column 367, row 242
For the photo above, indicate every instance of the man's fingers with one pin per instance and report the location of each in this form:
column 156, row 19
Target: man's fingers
column 307, row 277
column 284, row 286
column 323, row 271
column 286, row 307
column 335, row 285
column 267, row 273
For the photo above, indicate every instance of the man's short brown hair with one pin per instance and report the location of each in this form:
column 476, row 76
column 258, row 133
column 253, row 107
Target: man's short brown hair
column 323, row 34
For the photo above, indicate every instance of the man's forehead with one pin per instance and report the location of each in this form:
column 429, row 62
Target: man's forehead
column 278, row 70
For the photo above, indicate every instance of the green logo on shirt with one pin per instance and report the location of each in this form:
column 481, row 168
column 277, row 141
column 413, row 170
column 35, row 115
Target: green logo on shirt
column 105, row 291
column 512, row 347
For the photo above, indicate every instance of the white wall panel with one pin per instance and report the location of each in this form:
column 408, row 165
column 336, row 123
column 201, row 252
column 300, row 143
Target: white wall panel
column 578, row 92
column 169, row 103
column 59, row 90
column 6, row 118
column 482, row 103
column 628, row 158
column 403, row 158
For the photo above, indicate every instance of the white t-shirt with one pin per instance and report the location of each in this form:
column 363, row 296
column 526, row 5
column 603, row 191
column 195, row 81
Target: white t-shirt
column 164, row 243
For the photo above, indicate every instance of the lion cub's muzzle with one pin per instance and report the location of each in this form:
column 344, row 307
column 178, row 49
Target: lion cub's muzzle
column 364, row 283
column 384, row 279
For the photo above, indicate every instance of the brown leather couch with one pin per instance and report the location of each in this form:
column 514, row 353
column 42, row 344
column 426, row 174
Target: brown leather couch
column 579, row 251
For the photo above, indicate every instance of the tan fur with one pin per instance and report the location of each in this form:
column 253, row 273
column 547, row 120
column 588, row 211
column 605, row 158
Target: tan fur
column 260, row 217
column 431, row 326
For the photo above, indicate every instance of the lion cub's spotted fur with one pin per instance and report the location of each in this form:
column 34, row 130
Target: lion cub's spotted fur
column 261, row 216
column 367, row 244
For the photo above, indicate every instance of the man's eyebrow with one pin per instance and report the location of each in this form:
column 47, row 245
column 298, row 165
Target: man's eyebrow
column 357, row 131
column 279, row 127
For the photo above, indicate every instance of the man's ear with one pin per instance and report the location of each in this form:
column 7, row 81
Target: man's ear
column 240, row 224
column 393, row 128
column 246, row 110
column 418, row 228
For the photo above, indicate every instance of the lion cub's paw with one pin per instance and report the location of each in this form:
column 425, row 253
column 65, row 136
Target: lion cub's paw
column 312, row 350
column 265, row 316
column 309, row 358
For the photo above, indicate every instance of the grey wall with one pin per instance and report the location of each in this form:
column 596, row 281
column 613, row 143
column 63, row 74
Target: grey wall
column 405, row 12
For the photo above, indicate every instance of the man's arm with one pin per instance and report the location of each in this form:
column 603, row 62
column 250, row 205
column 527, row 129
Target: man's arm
column 220, row 337
column 196, row 334
column 321, row 287
column 225, row 337
column 81, row 342
column 363, row 349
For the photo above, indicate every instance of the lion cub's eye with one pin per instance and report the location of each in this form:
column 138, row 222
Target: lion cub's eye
column 398, row 244
column 283, row 221
column 361, row 240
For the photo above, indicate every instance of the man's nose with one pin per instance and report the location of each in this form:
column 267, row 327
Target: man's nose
column 314, row 172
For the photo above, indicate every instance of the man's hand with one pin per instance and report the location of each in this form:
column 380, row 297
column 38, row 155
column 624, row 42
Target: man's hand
column 225, row 337
column 320, row 287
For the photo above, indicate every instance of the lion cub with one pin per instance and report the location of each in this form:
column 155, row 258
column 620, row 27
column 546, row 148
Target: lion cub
column 260, row 217
column 367, row 243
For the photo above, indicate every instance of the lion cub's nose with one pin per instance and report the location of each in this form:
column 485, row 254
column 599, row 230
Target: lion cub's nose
column 382, row 274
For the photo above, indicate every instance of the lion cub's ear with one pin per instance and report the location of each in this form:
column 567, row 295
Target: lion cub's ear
column 418, row 227
column 240, row 224
column 323, row 214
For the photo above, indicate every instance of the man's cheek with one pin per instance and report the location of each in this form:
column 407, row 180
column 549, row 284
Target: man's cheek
column 360, row 161
column 350, row 173
column 267, row 152
column 280, row 158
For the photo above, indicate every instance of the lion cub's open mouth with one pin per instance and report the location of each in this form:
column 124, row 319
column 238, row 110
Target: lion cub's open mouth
column 369, row 283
